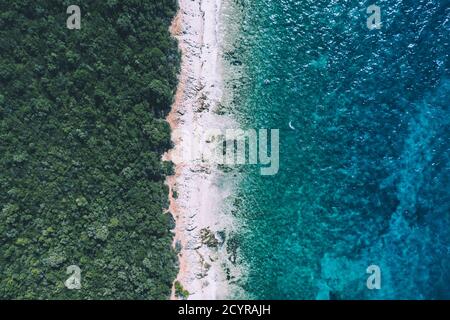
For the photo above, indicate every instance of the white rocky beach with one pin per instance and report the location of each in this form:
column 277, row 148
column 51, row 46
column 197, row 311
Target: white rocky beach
column 197, row 189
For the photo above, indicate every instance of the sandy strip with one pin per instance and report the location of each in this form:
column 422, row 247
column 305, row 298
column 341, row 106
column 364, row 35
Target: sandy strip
column 200, row 193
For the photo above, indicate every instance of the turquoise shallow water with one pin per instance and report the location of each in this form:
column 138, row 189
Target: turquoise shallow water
column 364, row 176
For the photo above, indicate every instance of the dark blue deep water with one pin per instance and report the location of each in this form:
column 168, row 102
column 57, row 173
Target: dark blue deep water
column 364, row 177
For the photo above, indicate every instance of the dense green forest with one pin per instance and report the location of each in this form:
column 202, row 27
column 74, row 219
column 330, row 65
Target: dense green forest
column 82, row 132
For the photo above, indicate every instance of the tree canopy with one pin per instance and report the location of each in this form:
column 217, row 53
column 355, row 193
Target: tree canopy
column 82, row 131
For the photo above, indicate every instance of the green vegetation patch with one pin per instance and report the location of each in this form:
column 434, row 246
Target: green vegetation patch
column 82, row 131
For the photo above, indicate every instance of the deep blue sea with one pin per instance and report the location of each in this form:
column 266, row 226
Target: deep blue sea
column 364, row 165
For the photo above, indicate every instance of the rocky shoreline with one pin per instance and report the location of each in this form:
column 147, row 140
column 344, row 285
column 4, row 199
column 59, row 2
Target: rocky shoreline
column 197, row 189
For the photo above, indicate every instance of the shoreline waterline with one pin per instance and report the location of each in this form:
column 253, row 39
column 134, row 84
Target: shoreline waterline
column 199, row 188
